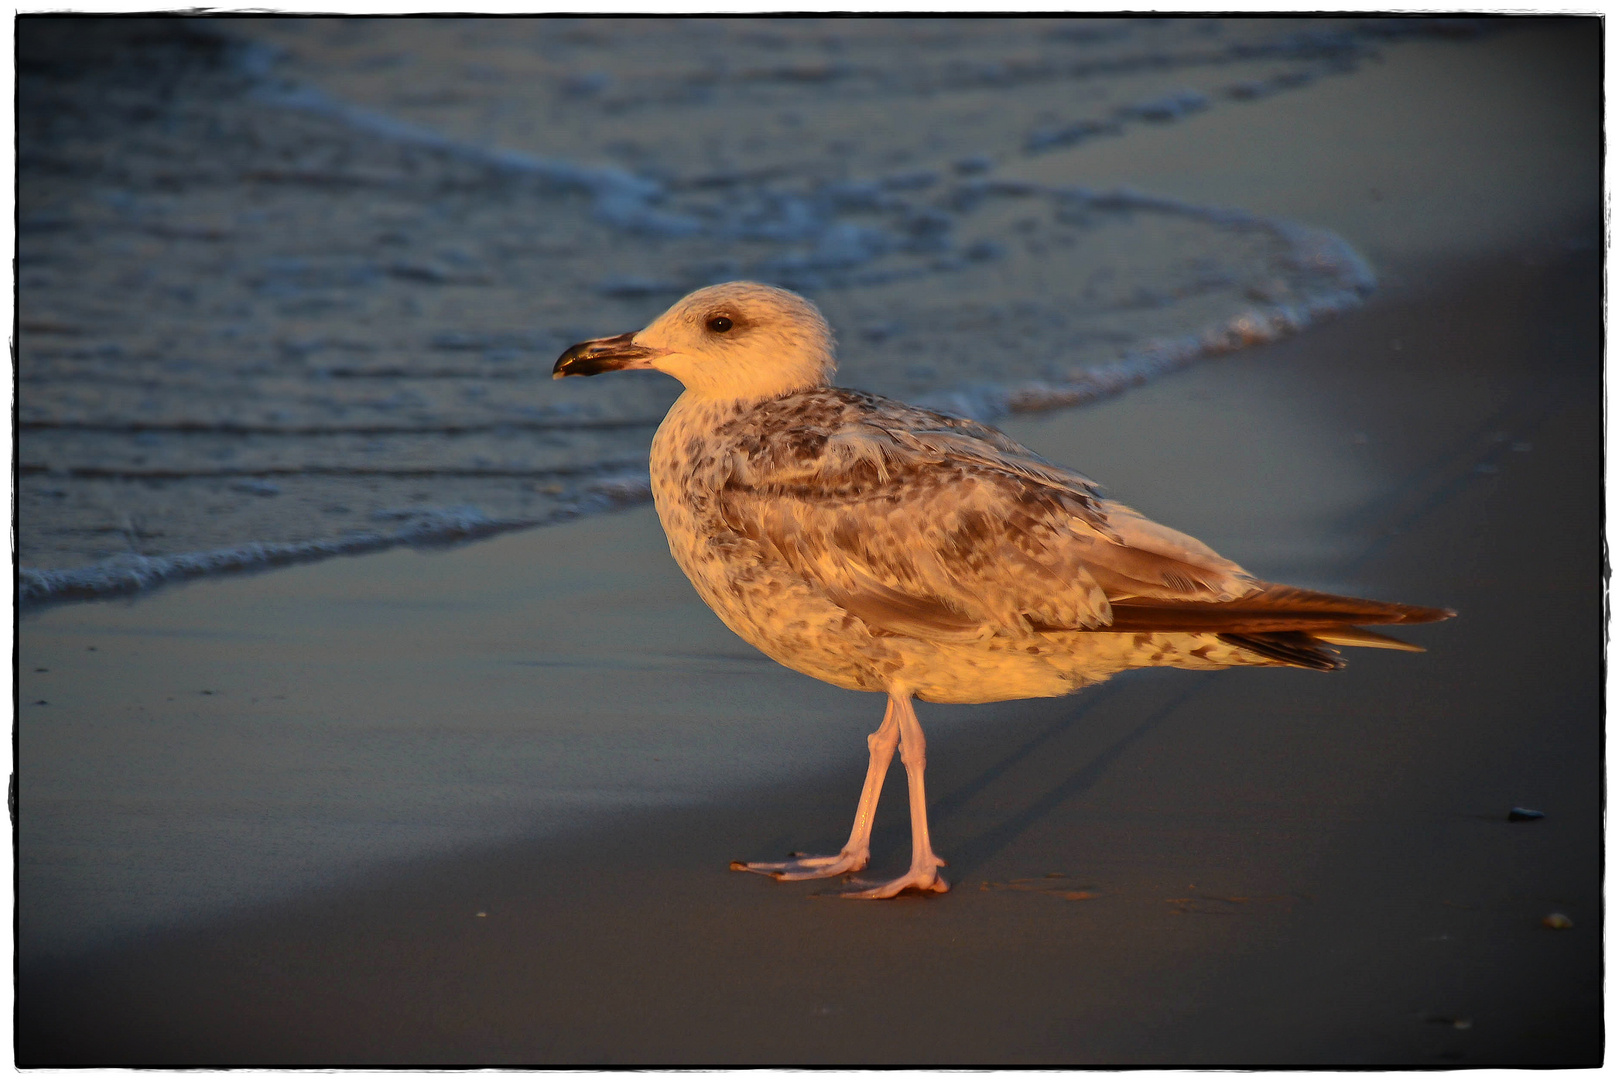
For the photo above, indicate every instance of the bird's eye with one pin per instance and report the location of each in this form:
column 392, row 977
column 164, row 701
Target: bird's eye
column 720, row 323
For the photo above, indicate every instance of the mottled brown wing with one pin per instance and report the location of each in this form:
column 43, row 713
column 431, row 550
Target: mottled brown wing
column 927, row 528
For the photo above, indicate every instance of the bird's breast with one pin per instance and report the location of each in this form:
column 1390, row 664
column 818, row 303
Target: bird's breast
column 688, row 465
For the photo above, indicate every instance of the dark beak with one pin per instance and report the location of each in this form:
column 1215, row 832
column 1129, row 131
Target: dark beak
column 603, row 354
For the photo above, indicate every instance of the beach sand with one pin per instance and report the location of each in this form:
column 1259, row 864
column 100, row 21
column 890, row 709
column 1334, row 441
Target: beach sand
column 1254, row 867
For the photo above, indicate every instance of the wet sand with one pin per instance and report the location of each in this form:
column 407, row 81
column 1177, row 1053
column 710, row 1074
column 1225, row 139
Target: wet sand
column 1256, row 867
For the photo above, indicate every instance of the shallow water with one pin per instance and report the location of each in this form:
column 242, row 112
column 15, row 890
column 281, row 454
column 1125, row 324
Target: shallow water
column 299, row 293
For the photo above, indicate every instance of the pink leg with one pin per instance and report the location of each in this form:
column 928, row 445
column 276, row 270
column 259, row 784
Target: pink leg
column 923, row 873
column 857, row 852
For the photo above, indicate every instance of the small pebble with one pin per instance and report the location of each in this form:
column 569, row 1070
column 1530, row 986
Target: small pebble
column 1557, row 921
column 1522, row 813
column 483, row 914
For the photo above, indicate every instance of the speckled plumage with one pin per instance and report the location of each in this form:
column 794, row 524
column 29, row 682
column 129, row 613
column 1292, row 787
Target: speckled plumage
column 869, row 543
column 879, row 546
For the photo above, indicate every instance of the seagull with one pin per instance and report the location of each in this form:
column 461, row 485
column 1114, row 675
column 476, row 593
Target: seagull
column 883, row 547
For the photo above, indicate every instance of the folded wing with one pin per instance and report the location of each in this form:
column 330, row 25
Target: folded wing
column 940, row 528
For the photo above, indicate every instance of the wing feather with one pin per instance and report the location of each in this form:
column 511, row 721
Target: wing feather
column 927, row 525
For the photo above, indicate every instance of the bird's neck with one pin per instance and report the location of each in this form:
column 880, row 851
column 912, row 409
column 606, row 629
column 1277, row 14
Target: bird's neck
column 697, row 414
column 742, row 391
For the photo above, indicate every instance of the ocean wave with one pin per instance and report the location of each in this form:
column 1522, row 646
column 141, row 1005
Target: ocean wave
column 130, row 573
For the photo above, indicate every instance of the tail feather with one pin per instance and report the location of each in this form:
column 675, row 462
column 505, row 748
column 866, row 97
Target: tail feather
column 1288, row 625
column 1353, row 635
column 1294, row 648
column 1268, row 610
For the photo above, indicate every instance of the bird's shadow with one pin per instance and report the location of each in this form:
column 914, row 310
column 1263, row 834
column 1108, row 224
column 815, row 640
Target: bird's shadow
column 967, row 856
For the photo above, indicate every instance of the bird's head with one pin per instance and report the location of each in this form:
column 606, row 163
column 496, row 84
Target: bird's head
column 737, row 341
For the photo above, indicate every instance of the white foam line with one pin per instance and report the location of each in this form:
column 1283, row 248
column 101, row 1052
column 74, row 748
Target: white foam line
column 1256, row 327
column 132, row 573
column 1348, row 277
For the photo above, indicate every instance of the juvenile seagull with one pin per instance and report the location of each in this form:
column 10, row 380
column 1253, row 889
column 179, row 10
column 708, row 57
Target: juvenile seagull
column 879, row 546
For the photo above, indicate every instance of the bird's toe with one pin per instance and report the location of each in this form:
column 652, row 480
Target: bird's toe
column 927, row 880
column 806, row 867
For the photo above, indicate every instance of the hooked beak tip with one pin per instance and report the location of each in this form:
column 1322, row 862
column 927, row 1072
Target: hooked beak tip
column 599, row 355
